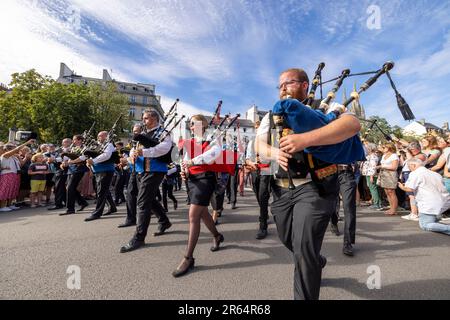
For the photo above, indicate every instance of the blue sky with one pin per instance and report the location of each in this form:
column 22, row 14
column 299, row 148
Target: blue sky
column 210, row 50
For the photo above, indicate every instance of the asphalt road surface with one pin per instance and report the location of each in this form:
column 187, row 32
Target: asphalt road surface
column 38, row 247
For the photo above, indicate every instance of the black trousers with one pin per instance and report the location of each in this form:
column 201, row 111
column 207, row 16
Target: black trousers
column 103, row 181
column 146, row 203
column 219, row 192
column 120, row 185
column 72, row 192
column 132, row 193
column 60, row 188
column 167, row 191
column 347, row 189
column 232, row 187
column 261, row 187
column 302, row 216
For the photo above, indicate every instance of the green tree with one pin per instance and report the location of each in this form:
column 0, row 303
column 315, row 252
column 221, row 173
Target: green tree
column 56, row 110
column 15, row 106
column 61, row 111
column 107, row 106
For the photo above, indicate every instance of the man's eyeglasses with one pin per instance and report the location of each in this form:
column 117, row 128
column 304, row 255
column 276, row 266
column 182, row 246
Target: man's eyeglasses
column 288, row 83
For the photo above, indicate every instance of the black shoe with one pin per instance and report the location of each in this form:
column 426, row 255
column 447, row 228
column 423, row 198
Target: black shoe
column 55, row 208
column 90, row 218
column 219, row 213
column 126, row 224
column 323, row 261
column 334, row 229
column 262, row 233
column 67, row 213
column 82, row 207
column 175, row 205
column 162, row 229
column 110, row 212
column 348, row 250
column 217, row 241
column 186, row 267
column 233, row 206
column 228, row 202
column 132, row 245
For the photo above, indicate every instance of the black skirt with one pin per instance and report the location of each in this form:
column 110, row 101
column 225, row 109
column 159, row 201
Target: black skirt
column 201, row 187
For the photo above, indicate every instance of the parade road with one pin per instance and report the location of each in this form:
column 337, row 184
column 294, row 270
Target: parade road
column 41, row 253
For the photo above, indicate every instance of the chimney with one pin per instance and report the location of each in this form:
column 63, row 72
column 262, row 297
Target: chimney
column 445, row 126
column 106, row 76
column 64, row 71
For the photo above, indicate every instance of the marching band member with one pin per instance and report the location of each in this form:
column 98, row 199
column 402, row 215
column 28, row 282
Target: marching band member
column 261, row 183
column 202, row 182
column 303, row 210
column 149, row 181
column 76, row 171
column 103, row 169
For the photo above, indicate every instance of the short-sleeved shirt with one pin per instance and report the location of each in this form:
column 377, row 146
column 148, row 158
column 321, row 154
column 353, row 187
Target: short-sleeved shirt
column 9, row 165
column 446, row 153
column 431, row 195
column 38, row 167
column 388, row 161
column 369, row 166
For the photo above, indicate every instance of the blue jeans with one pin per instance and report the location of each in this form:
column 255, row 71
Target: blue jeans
column 428, row 222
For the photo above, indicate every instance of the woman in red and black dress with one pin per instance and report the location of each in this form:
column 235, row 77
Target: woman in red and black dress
column 196, row 168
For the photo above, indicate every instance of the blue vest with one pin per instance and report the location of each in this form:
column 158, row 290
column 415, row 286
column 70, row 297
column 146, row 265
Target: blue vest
column 301, row 119
column 73, row 168
column 106, row 166
column 155, row 165
column 139, row 165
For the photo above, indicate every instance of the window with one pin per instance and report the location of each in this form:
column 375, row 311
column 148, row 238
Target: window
column 145, row 100
column 132, row 112
column 133, row 99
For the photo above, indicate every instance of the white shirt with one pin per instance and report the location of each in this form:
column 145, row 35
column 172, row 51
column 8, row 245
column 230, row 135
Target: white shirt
column 209, row 156
column 9, row 165
column 388, row 161
column 429, row 190
column 160, row 149
column 446, row 153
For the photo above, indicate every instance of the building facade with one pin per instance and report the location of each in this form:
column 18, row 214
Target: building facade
column 140, row 96
column 420, row 128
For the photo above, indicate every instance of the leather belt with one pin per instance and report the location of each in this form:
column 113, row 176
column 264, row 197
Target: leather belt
column 284, row 183
column 344, row 167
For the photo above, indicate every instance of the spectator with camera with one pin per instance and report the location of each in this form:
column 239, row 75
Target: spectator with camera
column 25, row 182
column 9, row 177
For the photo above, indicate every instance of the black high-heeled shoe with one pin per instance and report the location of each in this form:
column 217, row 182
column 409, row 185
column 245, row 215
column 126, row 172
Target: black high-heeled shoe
column 217, row 241
column 180, row 272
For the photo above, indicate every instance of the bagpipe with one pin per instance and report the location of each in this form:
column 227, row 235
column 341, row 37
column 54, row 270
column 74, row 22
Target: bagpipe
column 93, row 148
column 292, row 116
column 145, row 140
column 88, row 140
